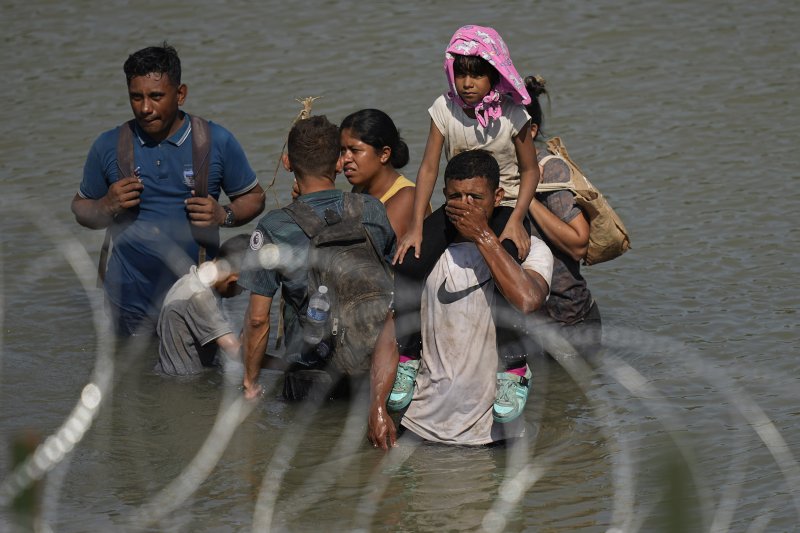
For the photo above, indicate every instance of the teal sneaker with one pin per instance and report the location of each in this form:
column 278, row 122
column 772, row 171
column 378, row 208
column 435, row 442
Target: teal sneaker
column 403, row 388
column 512, row 393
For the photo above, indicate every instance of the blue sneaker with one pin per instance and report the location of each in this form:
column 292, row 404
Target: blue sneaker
column 512, row 393
column 403, row 388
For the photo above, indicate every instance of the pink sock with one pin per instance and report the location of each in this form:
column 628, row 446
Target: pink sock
column 520, row 371
column 404, row 358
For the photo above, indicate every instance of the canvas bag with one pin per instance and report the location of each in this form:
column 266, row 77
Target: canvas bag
column 342, row 256
column 201, row 148
column 608, row 237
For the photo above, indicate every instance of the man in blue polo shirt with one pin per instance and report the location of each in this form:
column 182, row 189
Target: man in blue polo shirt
column 153, row 215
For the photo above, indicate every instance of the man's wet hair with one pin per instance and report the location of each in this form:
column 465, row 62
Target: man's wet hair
column 233, row 251
column 473, row 164
column 154, row 59
column 313, row 146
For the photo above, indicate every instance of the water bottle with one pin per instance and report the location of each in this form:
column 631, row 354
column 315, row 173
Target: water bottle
column 317, row 316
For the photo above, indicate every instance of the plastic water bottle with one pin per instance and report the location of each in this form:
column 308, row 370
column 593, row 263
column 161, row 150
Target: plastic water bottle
column 317, row 316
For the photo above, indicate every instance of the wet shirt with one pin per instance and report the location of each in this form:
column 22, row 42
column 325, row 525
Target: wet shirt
column 190, row 321
column 278, row 255
column 153, row 244
column 570, row 298
column 456, row 383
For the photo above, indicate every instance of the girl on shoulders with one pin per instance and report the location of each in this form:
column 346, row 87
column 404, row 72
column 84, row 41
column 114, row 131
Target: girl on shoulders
column 484, row 108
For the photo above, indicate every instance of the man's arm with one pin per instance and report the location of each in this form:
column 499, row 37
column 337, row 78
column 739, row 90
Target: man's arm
column 254, row 341
column 231, row 346
column 526, row 290
column 381, row 431
column 98, row 214
column 205, row 212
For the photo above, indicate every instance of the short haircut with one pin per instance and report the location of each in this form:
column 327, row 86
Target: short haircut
column 313, row 146
column 474, row 164
column 154, row 59
column 474, row 66
column 233, row 251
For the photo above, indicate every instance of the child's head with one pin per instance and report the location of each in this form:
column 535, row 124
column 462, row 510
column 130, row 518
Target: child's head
column 474, row 174
column 536, row 88
column 313, row 147
column 228, row 264
column 479, row 50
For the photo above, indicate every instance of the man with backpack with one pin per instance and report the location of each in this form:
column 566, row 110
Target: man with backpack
column 325, row 237
column 154, row 184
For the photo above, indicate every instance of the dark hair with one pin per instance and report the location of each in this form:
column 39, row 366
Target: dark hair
column 473, row 164
column 154, row 59
column 313, row 146
column 233, row 250
column 474, row 66
column 536, row 87
column 376, row 128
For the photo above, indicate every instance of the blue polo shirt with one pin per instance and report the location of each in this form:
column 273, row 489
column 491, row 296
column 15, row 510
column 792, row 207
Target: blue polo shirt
column 154, row 244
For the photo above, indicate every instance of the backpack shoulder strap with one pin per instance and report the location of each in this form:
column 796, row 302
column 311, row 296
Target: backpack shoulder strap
column 126, row 166
column 305, row 217
column 201, row 148
column 353, row 205
column 125, row 159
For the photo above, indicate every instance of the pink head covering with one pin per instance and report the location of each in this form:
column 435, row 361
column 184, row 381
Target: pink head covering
column 484, row 42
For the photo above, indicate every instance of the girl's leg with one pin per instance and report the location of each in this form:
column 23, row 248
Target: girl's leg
column 512, row 346
column 409, row 280
column 510, row 323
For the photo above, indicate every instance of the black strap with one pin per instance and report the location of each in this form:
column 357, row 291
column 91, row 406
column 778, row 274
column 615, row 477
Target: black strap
column 201, row 148
column 305, row 217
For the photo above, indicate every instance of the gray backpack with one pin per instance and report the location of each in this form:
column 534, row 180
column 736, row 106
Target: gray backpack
column 342, row 256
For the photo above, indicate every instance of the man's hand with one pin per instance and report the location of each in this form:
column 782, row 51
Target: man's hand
column 471, row 221
column 123, row 194
column 381, row 431
column 252, row 391
column 204, row 212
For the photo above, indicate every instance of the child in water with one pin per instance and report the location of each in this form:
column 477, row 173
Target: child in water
column 484, row 109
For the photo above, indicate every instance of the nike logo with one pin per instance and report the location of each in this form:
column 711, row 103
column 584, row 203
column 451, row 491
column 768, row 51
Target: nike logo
column 446, row 297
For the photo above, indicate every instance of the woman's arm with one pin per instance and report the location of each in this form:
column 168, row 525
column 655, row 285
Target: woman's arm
column 570, row 237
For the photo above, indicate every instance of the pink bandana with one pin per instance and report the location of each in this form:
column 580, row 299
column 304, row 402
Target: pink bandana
column 484, row 42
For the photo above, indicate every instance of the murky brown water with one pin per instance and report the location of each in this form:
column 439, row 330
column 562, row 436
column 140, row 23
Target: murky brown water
column 684, row 113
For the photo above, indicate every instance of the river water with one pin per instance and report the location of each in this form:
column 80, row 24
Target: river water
column 685, row 114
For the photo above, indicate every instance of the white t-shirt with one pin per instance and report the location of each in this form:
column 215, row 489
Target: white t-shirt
column 455, row 387
column 463, row 133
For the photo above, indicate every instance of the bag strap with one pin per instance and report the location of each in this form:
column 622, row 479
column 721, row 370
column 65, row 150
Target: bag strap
column 557, row 186
column 201, row 148
column 353, row 206
column 305, row 217
column 125, row 162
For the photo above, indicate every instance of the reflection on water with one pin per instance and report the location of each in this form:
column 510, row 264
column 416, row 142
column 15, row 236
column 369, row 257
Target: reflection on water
column 684, row 114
